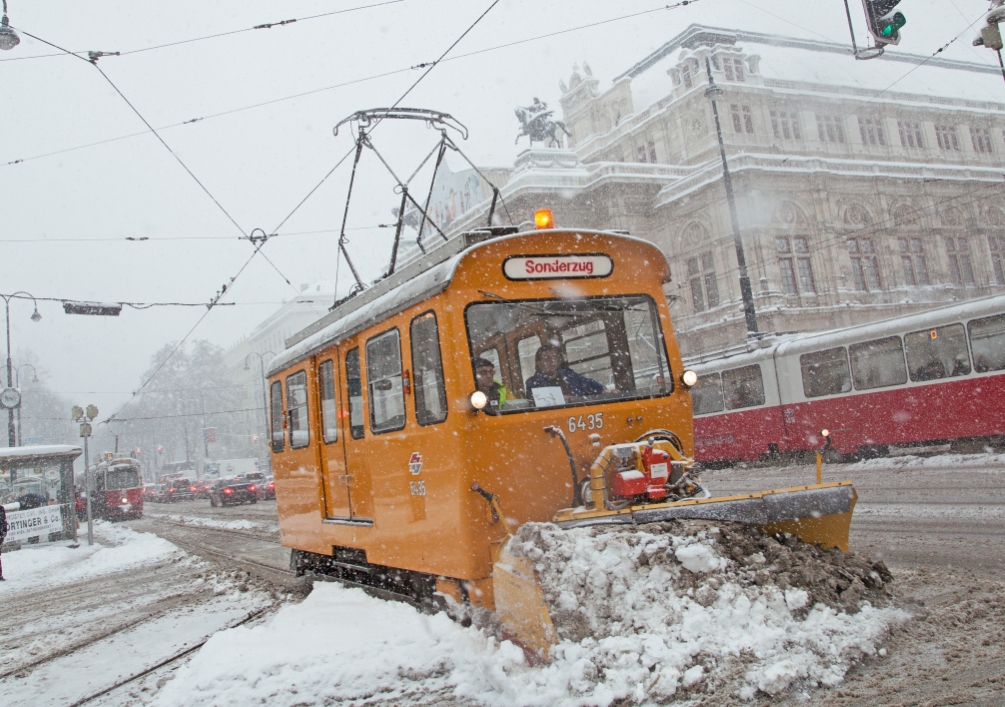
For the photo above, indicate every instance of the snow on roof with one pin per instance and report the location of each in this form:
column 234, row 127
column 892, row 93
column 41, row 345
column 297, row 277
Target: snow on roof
column 790, row 344
column 825, row 64
column 42, row 450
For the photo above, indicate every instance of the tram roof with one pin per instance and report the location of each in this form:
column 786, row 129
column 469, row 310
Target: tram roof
column 795, row 343
column 416, row 282
column 22, row 454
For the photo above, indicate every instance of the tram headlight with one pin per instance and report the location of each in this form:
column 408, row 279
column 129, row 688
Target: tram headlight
column 688, row 378
column 125, row 500
column 479, row 400
column 825, row 433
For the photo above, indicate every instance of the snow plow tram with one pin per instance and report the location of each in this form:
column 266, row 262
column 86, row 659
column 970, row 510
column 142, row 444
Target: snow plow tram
column 499, row 379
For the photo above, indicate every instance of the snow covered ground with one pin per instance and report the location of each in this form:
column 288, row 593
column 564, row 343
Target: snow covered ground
column 224, row 524
column 75, row 621
column 343, row 646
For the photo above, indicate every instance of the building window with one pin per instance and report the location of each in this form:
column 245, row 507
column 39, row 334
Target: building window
column 794, row 262
column 733, row 68
column 910, row 134
column 742, row 118
column 640, row 153
column 981, row 138
column 685, row 75
column 960, row 267
column 785, row 124
column 864, row 266
column 997, row 244
column 871, row 130
column 704, row 288
column 912, row 256
column 652, row 151
column 830, row 128
column 946, row 136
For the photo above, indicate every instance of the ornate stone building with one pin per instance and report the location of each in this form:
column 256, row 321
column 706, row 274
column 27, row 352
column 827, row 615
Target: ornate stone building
column 863, row 189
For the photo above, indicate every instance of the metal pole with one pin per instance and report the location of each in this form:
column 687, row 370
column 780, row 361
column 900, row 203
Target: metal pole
column 10, row 381
column 90, row 490
column 747, row 295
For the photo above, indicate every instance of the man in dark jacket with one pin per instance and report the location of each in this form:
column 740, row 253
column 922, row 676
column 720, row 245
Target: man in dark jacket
column 3, row 536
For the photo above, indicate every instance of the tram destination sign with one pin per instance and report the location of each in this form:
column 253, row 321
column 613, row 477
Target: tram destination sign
column 557, row 267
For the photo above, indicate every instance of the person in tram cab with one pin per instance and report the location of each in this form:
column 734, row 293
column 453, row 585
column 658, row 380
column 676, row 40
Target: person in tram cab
column 485, row 379
column 554, row 372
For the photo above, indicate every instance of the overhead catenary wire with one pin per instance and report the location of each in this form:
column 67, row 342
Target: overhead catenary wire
column 352, row 82
column 266, row 25
column 188, row 334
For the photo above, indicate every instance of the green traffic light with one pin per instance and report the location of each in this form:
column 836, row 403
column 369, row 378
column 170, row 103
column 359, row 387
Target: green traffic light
column 896, row 22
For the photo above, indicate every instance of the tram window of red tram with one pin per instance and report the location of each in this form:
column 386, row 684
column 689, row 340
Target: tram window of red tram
column 825, row 372
column 743, row 387
column 706, row 395
column 878, row 363
column 937, row 353
column 987, row 341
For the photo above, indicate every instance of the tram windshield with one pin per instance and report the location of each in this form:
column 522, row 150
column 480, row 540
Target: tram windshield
column 122, row 478
column 561, row 352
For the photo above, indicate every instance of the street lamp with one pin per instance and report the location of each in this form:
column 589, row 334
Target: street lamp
column 265, row 399
column 34, row 379
column 10, row 398
column 712, row 92
column 8, row 37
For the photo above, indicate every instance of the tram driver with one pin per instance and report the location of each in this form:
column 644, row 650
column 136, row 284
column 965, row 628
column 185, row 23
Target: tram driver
column 553, row 372
column 485, row 379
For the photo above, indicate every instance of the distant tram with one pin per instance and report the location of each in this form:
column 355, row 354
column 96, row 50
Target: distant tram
column 118, row 489
column 927, row 378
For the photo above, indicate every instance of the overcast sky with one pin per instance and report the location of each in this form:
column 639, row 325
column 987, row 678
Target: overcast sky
column 64, row 219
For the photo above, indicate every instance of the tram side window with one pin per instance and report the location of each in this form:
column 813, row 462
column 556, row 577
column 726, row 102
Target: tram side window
column 296, row 406
column 354, row 382
column 383, row 373
column 825, row 372
column 430, row 391
column 278, row 440
column 987, row 341
column 743, row 387
column 937, row 353
column 706, row 395
column 329, row 411
column 879, row 363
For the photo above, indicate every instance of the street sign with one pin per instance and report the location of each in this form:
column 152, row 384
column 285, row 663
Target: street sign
column 85, row 429
column 209, row 434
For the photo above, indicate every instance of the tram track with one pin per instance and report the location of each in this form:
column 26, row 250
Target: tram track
column 168, row 661
column 263, row 536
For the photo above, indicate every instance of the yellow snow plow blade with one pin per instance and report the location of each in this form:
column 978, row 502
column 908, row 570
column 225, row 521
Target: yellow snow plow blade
column 819, row 514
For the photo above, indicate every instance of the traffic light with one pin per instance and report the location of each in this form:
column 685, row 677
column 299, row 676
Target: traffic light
column 884, row 23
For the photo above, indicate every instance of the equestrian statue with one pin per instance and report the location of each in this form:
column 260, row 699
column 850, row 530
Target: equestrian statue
column 536, row 122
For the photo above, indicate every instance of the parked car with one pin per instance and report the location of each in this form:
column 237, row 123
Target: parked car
column 180, row 490
column 267, row 489
column 149, row 492
column 230, row 492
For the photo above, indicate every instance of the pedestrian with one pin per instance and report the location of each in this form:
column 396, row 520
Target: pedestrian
column 3, row 536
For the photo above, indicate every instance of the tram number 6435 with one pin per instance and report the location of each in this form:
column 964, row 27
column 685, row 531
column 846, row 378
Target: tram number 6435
column 418, row 488
column 586, row 422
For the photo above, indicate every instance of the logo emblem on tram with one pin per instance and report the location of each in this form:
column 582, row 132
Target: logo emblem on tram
column 415, row 463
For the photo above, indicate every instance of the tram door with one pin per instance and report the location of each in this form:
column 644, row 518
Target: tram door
column 333, row 472
column 353, row 434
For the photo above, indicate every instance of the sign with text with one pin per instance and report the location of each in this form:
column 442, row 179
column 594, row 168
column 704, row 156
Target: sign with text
column 557, row 267
column 34, row 523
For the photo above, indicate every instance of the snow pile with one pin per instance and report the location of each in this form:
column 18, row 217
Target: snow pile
column 697, row 607
column 115, row 549
column 224, row 524
column 989, row 462
column 676, row 612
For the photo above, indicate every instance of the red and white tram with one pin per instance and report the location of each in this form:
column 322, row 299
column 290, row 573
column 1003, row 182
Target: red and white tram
column 118, row 488
column 932, row 377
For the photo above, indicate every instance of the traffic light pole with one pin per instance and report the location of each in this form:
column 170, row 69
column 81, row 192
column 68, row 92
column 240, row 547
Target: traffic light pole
column 90, row 484
column 746, row 293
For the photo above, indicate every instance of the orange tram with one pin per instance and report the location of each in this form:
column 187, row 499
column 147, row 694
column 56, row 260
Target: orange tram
column 426, row 418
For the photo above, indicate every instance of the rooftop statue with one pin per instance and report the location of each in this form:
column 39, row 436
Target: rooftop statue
column 536, row 122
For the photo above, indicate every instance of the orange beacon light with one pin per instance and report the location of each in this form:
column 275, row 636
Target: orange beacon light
column 543, row 218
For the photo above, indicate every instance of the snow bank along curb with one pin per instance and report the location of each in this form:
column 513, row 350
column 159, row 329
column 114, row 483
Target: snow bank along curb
column 115, row 549
column 673, row 612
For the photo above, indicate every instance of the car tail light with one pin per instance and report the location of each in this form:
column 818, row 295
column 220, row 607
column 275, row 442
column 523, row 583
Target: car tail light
column 272, row 486
column 228, row 490
column 252, row 488
column 195, row 488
